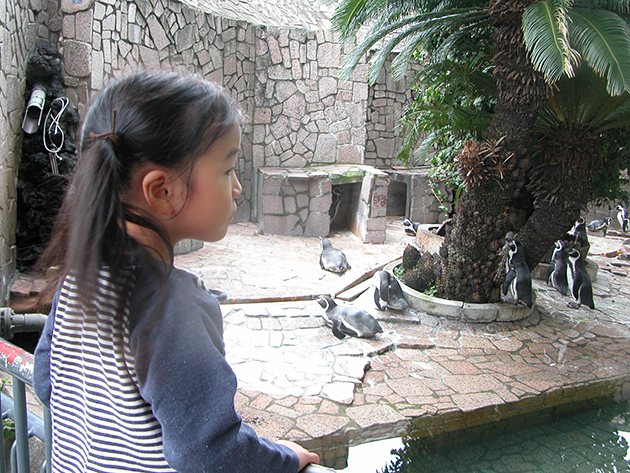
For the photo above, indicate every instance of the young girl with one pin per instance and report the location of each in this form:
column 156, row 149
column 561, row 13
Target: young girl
column 131, row 362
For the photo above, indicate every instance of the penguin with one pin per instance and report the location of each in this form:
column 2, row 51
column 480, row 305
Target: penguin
column 336, row 201
column 348, row 320
column 411, row 228
column 579, row 281
column 557, row 272
column 600, row 225
column 578, row 232
column 517, row 286
column 331, row 259
column 623, row 219
column 387, row 292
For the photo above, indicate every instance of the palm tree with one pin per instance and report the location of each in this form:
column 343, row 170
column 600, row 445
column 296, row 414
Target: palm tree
column 535, row 45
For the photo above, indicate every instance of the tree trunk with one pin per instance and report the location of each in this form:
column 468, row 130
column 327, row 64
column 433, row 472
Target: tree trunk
column 494, row 172
column 562, row 185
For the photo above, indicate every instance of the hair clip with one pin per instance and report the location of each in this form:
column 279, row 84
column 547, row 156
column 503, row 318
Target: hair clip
column 110, row 135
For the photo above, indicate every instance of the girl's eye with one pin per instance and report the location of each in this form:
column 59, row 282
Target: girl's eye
column 230, row 171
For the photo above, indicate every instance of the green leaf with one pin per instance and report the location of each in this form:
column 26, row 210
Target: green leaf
column 545, row 35
column 603, row 38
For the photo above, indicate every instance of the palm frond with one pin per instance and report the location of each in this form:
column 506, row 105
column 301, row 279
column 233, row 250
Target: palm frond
column 546, row 39
column 583, row 103
column 618, row 6
column 350, row 15
column 603, row 39
column 410, row 33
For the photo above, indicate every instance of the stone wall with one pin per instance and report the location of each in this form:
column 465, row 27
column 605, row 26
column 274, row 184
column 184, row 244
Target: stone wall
column 24, row 24
column 386, row 100
column 298, row 112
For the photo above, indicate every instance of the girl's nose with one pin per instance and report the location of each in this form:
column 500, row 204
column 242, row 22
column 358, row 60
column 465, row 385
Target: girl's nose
column 237, row 188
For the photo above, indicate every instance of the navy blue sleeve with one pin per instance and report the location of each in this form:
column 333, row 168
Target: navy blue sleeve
column 41, row 369
column 178, row 346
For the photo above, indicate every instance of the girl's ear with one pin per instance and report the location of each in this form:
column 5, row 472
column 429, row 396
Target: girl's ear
column 161, row 192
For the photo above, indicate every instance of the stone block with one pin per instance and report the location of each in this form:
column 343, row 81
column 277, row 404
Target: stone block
column 272, row 205
column 280, row 225
column 68, row 27
column 160, row 39
column 302, row 200
column 326, row 149
column 290, row 205
column 262, row 115
column 77, row 58
column 317, row 224
column 377, row 224
column 350, row 154
column 373, row 237
column 271, row 186
column 73, row 6
column 300, row 185
column 279, row 72
column 320, row 203
column 150, row 58
column 329, row 55
column 295, row 106
column 109, row 23
column 97, row 72
column 327, row 86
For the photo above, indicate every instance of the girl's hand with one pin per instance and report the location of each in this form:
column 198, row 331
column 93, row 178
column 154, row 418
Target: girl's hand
column 303, row 454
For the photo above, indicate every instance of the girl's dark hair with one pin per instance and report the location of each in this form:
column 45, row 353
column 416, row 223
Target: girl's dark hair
column 162, row 118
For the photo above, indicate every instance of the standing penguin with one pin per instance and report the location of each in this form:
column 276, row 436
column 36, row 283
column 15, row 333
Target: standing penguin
column 336, row 201
column 517, row 286
column 348, row 320
column 623, row 219
column 387, row 291
column 557, row 272
column 580, row 237
column 600, row 225
column 579, row 281
column 331, row 259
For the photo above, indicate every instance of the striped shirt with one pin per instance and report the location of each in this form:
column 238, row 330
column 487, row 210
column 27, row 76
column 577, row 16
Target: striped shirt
column 101, row 421
column 136, row 380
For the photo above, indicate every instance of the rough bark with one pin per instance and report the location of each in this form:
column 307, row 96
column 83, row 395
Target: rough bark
column 562, row 184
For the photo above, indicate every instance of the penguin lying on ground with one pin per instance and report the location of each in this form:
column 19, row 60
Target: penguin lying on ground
column 348, row 320
column 600, row 225
column 623, row 219
column 331, row 259
column 411, row 228
column 387, row 292
column 557, row 272
column 517, row 286
column 579, row 281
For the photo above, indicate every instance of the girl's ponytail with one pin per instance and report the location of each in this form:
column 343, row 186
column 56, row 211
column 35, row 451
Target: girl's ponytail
column 91, row 220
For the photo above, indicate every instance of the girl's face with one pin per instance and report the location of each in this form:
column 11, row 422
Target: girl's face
column 213, row 186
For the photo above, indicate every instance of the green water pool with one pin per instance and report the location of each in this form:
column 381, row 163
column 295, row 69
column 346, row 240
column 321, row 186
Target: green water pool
column 594, row 440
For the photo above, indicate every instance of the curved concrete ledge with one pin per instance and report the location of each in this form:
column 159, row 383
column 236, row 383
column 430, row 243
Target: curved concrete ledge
column 463, row 311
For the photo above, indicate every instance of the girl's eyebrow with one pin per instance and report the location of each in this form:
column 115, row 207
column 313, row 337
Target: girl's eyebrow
column 231, row 154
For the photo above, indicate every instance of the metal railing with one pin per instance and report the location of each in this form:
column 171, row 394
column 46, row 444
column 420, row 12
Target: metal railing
column 18, row 364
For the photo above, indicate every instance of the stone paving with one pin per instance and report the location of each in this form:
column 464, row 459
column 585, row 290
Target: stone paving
column 422, row 375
